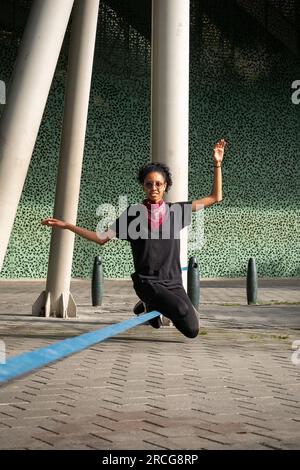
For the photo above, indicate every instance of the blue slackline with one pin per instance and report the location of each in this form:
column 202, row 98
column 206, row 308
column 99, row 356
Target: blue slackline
column 26, row 362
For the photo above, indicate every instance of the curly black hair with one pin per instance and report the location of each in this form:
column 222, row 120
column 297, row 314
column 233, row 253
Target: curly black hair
column 161, row 168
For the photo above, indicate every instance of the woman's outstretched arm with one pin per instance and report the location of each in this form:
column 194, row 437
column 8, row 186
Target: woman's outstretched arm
column 101, row 239
column 216, row 192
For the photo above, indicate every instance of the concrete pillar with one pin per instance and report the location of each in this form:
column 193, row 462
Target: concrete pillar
column 26, row 100
column 170, row 97
column 56, row 300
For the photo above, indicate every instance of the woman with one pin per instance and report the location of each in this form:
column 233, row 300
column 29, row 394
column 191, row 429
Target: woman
column 153, row 230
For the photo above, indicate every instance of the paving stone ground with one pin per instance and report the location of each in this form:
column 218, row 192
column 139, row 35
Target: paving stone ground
column 233, row 387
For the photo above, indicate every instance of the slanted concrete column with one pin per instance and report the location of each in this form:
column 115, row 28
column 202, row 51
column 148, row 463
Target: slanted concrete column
column 56, row 300
column 25, row 104
column 170, row 97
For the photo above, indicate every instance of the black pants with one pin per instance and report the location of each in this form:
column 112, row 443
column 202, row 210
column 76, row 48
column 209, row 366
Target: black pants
column 172, row 302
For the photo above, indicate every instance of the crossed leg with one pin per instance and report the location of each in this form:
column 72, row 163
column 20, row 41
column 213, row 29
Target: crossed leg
column 173, row 303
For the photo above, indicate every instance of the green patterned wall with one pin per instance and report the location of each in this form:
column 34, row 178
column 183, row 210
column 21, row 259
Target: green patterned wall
column 239, row 91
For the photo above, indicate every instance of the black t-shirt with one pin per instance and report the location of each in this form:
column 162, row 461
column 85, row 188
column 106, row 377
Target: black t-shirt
column 156, row 252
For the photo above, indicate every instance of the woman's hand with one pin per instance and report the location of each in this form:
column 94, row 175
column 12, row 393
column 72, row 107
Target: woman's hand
column 218, row 151
column 54, row 223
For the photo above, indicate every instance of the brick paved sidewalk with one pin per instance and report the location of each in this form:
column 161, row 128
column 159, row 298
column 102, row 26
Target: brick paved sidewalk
column 233, row 387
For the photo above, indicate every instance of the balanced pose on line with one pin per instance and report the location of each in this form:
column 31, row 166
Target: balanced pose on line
column 153, row 230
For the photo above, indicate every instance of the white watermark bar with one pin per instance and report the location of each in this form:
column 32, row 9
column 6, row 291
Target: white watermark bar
column 2, row 92
column 2, row 352
column 131, row 222
column 296, row 354
column 296, row 95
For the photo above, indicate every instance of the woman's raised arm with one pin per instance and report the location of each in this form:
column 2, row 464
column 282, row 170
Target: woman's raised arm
column 216, row 192
column 101, row 239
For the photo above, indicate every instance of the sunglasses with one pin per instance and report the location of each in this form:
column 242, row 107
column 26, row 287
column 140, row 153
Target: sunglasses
column 157, row 184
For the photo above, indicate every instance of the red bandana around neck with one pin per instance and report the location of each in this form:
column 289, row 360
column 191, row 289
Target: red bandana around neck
column 156, row 213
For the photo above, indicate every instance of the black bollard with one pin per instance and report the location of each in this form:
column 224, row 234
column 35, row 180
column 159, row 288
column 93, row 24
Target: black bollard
column 251, row 282
column 97, row 282
column 193, row 284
